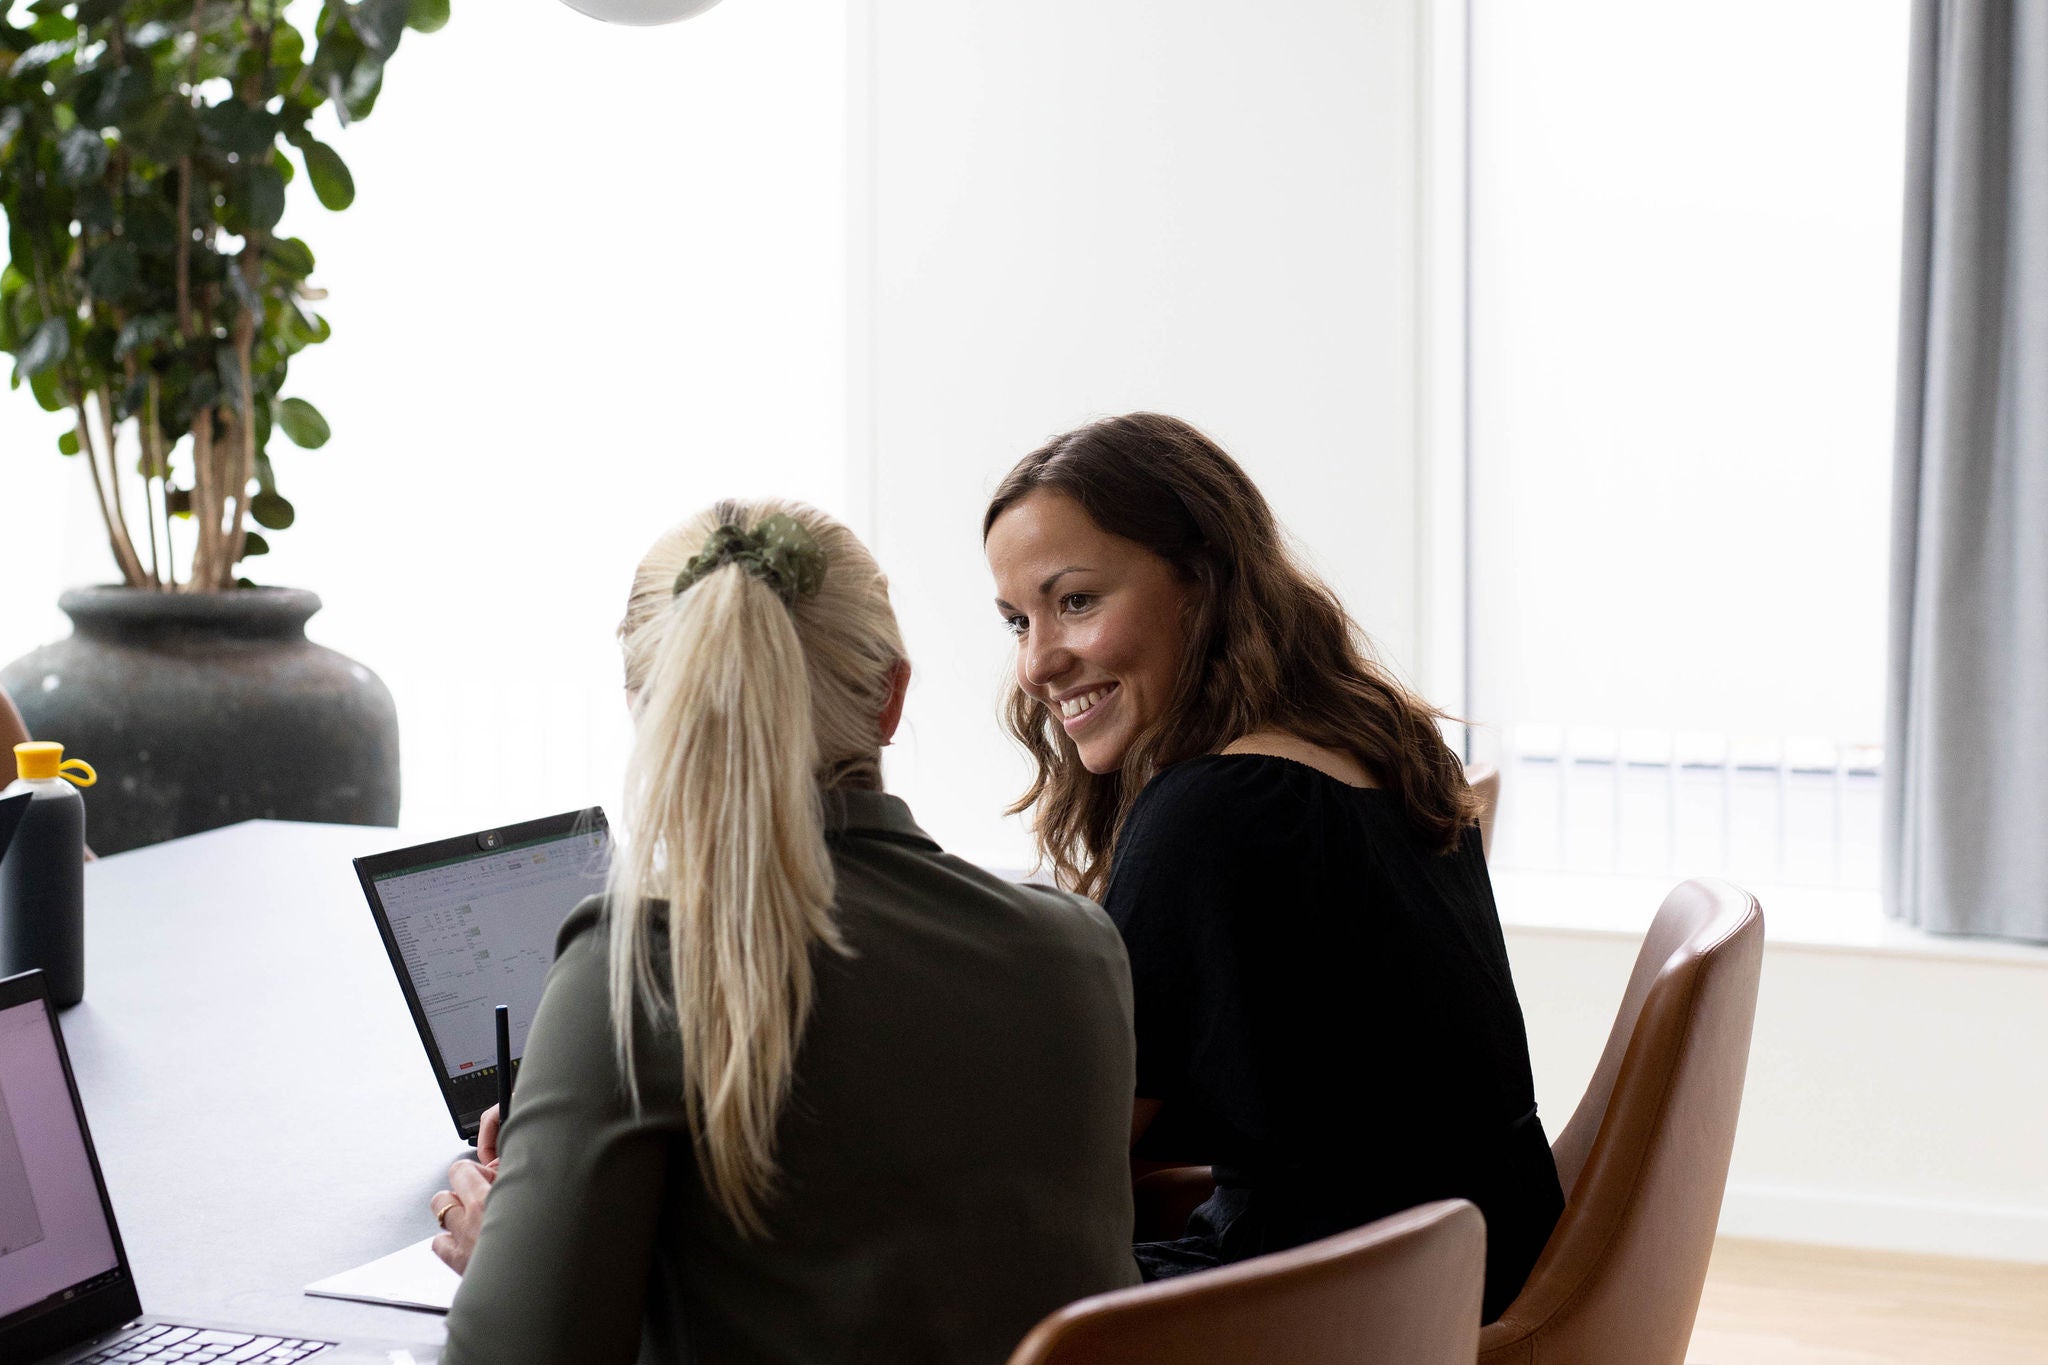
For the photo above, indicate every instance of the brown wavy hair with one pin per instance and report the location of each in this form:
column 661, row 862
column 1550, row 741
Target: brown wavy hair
column 1268, row 646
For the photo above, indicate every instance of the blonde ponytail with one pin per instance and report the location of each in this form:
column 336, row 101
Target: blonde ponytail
column 743, row 707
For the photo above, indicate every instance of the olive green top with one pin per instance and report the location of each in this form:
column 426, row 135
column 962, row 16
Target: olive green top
column 954, row 1153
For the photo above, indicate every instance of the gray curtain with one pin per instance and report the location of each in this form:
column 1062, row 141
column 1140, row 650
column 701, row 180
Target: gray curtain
column 1966, row 743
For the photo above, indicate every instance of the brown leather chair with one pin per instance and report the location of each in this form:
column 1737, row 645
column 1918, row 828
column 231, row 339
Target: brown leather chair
column 1401, row 1291
column 1644, row 1159
column 1165, row 1197
column 1484, row 779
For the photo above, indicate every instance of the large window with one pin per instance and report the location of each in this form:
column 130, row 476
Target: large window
column 1683, row 262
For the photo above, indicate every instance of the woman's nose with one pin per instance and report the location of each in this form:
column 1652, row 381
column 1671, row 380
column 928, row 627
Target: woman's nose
column 1044, row 660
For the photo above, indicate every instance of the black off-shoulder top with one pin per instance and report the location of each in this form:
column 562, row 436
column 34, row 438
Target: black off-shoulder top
column 1324, row 1007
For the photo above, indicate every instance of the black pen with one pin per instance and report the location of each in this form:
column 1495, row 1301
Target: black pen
column 504, row 1066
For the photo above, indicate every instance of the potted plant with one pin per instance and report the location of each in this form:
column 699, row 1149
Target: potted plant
column 146, row 150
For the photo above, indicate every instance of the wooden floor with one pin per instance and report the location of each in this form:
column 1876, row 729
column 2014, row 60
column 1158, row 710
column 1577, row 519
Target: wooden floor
column 1771, row 1303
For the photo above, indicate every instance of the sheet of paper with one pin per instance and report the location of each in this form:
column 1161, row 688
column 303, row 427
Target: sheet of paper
column 412, row 1277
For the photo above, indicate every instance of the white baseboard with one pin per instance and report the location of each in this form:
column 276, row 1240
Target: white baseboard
column 1875, row 1223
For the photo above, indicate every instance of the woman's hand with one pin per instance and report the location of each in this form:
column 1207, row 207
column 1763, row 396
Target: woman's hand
column 487, row 1139
column 1142, row 1114
column 459, row 1210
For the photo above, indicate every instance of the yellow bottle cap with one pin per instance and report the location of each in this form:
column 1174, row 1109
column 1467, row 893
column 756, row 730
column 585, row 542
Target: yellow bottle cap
column 40, row 758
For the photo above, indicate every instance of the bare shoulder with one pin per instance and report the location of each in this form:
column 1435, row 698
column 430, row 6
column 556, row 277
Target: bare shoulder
column 1281, row 744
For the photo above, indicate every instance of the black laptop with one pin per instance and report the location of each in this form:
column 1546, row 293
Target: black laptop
column 469, row 923
column 66, row 1294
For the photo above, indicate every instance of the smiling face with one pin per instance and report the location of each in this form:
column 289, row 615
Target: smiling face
column 1099, row 622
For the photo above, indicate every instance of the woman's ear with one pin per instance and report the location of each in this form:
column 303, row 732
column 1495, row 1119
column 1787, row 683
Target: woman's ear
column 892, row 710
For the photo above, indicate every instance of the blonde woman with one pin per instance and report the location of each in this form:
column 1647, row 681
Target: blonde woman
column 802, row 1087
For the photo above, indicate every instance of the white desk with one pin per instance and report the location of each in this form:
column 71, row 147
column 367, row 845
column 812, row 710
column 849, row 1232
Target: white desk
column 264, row 1112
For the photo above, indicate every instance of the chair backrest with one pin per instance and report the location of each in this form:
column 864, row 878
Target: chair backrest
column 1644, row 1159
column 1484, row 779
column 1402, row 1291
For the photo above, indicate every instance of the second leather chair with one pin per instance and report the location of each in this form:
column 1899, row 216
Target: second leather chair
column 1400, row 1291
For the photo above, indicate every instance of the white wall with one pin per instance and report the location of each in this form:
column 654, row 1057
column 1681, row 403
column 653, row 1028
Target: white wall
column 1083, row 207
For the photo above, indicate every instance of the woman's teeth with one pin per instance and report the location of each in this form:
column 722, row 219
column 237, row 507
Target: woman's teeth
column 1077, row 705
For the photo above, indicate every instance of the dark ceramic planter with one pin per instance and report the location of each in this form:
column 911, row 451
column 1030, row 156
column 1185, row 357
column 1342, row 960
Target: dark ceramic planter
column 204, row 710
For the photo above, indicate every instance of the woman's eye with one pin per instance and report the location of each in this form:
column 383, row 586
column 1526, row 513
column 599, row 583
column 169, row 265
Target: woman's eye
column 1014, row 624
column 1077, row 601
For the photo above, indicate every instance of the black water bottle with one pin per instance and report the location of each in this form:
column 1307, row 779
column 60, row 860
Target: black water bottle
column 42, row 875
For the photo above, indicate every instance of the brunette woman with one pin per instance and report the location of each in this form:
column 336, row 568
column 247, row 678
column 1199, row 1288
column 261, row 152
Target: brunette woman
column 1324, row 1010
column 801, row 1088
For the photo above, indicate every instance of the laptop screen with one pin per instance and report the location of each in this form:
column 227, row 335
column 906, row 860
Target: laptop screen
column 478, row 932
column 55, row 1241
column 470, row 924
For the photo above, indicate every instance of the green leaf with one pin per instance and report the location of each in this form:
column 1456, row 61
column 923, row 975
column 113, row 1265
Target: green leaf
column 51, row 23
column 365, row 79
column 126, row 90
column 151, row 225
column 86, row 85
column 254, row 544
column 50, row 344
column 81, row 156
column 236, row 128
column 262, row 195
column 112, row 270
column 333, row 184
column 164, row 130
column 93, row 206
column 266, row 477
column 97, row 347
column 272, row 512
column 287, row 50
column 381, row 23
column 68, row 442
column 42, row 54
column 426, row 16
column 303, row 423
column 49, row 397
column 291, row 254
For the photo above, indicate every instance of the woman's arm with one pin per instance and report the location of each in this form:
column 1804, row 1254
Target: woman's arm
column 1178, row 895
column 566, row 1236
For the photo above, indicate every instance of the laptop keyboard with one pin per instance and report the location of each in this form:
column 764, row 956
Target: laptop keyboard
column 196, row 1346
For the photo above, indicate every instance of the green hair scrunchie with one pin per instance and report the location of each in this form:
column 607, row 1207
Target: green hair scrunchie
column 778, row 551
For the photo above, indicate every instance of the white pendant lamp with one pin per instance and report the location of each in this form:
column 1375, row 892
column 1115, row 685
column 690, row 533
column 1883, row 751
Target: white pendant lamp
column 640, row 12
